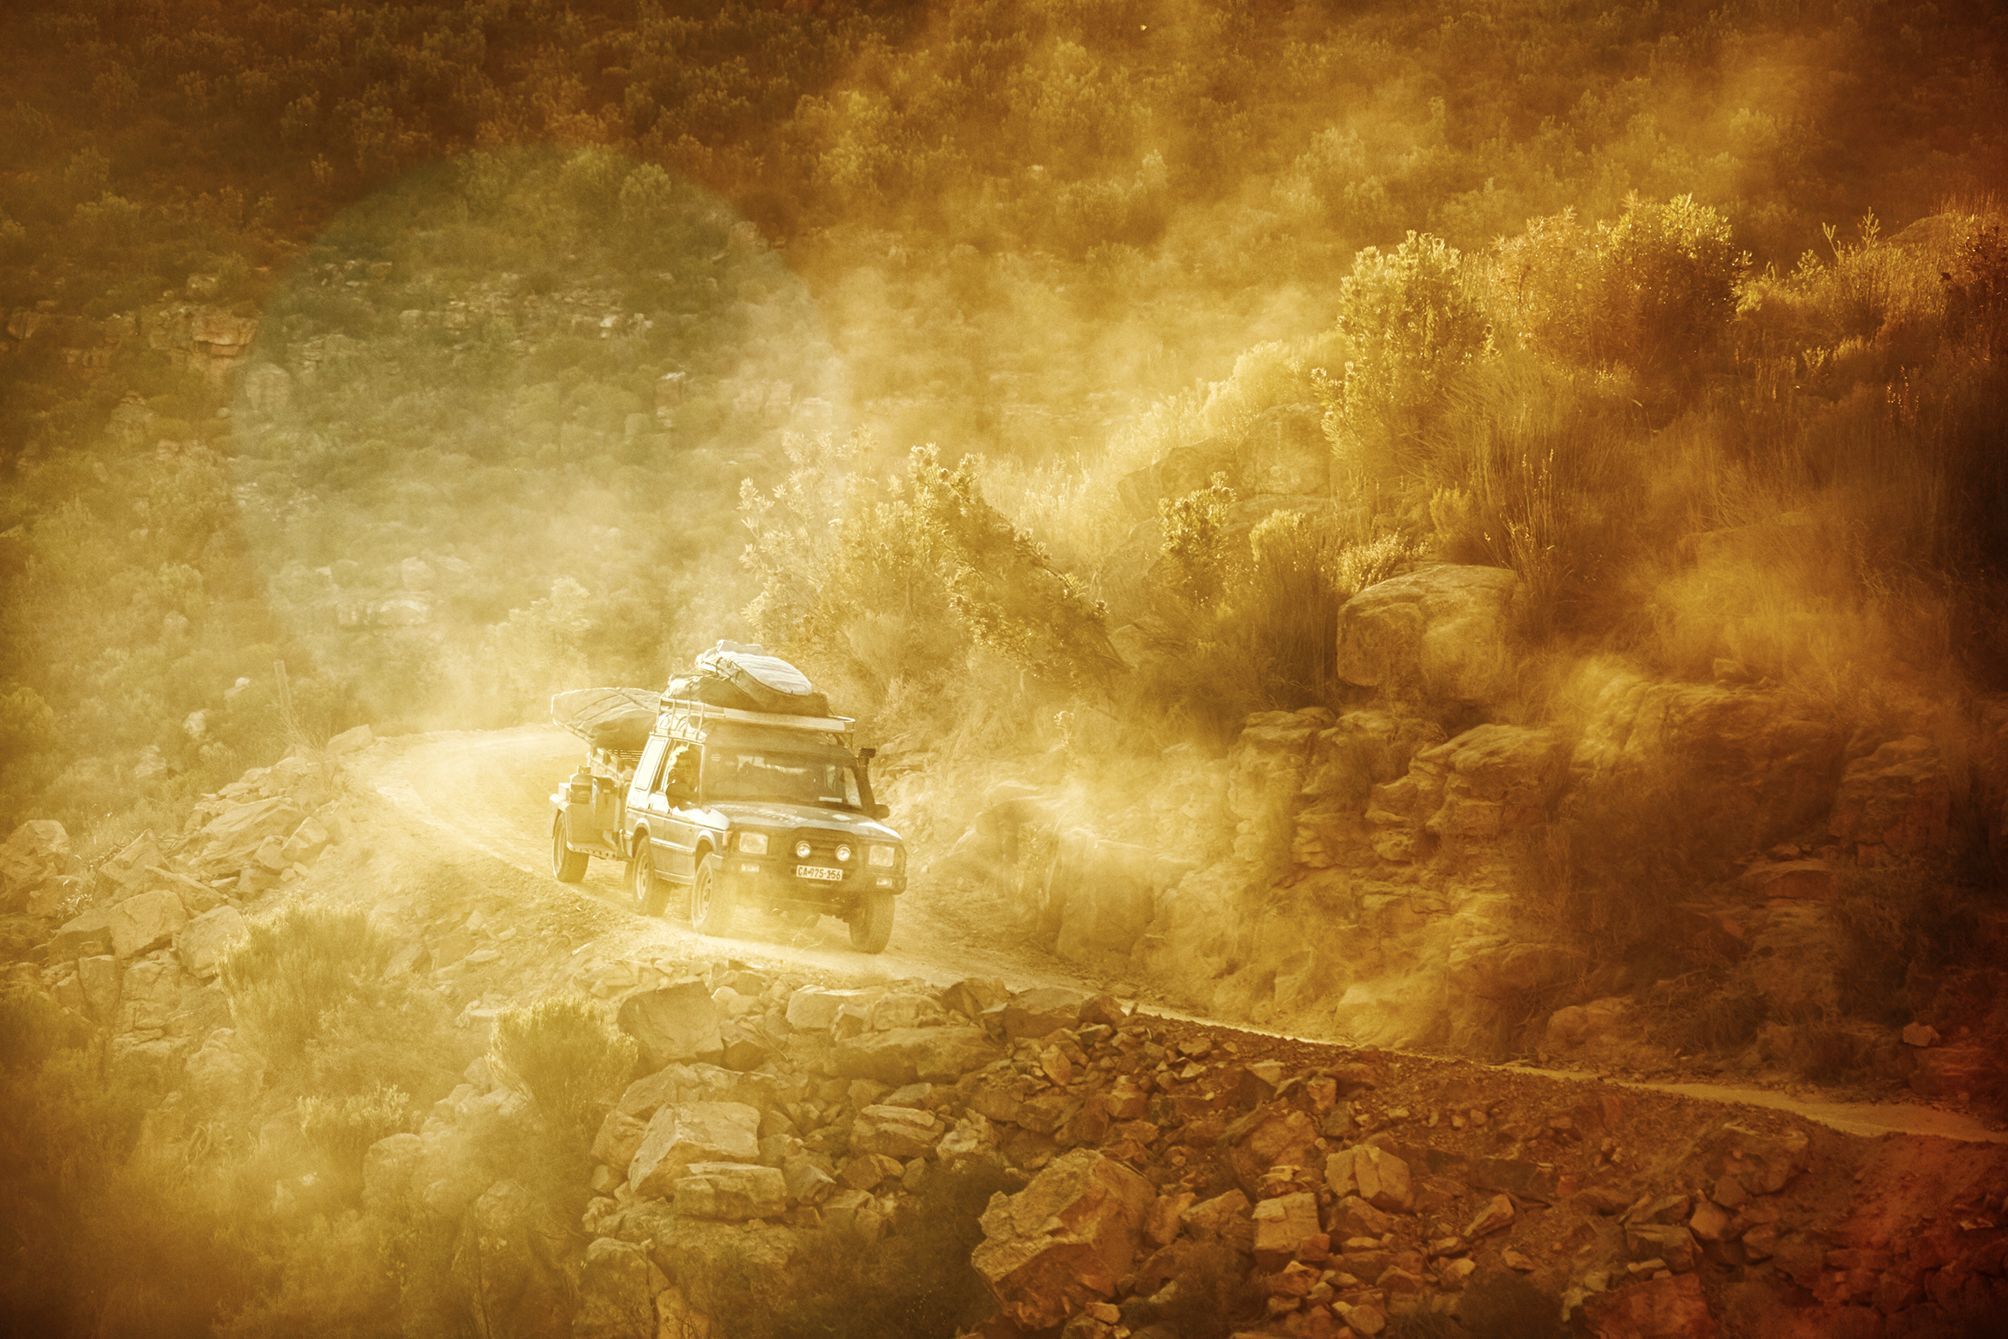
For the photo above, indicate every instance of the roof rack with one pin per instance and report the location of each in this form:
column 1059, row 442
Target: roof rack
column 705, row 711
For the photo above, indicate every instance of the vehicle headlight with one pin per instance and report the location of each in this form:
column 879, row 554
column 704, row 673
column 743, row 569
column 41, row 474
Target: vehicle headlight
column 801, row 850
column 883, row 857
column 843, row 851
column 753, row 843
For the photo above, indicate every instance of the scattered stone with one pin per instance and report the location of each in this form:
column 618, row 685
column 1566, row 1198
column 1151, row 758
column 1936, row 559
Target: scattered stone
column 1496, row 1215
column 1920, row 1035
column 1375, row 1175
column 1038, row 1012
column 905, row 1055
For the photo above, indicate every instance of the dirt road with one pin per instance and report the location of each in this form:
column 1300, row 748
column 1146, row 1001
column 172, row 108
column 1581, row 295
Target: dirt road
column 488, row 792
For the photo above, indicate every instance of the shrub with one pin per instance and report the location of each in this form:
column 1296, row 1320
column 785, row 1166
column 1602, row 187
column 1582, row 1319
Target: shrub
column 1901, row 927
column 1411, row 324
column 341, row 1129
column 1197, row 540
column 571, row 1061
column 292, row 972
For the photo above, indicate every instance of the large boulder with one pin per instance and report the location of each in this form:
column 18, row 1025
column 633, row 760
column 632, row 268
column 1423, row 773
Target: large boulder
column 691, row 1132
column 1442, row 632
column 1472, row 794
column 145, row 921
column 1894, row 803
column 674, row 1023
column 1066, row 1240
column 897, row 1132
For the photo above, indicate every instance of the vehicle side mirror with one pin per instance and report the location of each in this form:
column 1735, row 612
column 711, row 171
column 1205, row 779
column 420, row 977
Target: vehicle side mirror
column 880, row 811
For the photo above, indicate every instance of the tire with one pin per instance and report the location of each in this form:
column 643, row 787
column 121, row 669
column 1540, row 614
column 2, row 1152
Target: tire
column 568, row 865
column 712, row 908
column 871, row 923
column 647, row 890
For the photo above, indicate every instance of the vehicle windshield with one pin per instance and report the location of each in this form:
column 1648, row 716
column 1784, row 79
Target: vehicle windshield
column 794, row 778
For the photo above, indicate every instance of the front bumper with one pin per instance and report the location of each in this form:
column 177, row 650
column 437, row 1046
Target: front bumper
column 773, row 881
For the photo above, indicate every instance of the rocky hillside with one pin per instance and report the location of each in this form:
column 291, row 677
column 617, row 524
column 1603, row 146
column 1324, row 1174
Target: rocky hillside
column 760, row 1152
column 1487, row 850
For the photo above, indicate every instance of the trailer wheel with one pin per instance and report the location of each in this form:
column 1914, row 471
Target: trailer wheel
column 568, row 865
column 649, row 897
column 871, row 923
column 712, row 905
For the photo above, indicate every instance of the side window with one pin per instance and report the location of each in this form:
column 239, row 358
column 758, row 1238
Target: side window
column 648, row 772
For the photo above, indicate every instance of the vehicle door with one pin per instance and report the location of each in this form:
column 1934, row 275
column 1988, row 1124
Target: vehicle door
column 647, row 778
column 680, row 808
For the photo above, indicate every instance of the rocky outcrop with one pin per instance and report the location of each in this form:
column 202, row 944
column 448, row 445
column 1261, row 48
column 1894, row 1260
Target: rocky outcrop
column 1894, row 804
column 1443, row 632
column 1770, row 765
column 675, row 1023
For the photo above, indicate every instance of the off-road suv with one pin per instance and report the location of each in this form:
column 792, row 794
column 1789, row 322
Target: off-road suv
column 738, row 809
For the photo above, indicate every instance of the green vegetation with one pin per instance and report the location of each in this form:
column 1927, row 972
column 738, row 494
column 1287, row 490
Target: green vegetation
column 571, row 1060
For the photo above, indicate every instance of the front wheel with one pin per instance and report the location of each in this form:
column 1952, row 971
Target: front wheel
column 649, row 897
column 568, row 865
column 871, row 923
column 711, row 903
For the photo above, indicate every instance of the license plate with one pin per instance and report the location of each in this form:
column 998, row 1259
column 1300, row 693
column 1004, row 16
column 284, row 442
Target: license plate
column 818, row 872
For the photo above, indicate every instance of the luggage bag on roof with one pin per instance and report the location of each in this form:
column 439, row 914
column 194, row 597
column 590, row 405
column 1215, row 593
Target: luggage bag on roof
column 759, row 682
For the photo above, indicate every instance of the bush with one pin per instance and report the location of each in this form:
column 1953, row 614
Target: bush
column 341, row 1129
column 571, row 1061
column 1901, row 928
column 290, row 974
column 1411, row 324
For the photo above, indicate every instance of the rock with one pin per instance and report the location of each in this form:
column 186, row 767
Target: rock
column 908, row 1055
column 1067, row 1239
column 508, row 1265
column 684, row 1133
column 1919, row 1035
column 1810, row 879
column 1375, row 1175
column 351, row 741
column 37, row 853
column 388, row 1170
column 1443, row 631
column 1040, row 1011
column 815, row 1008
column 87, row 933
column 618, row 1285
column 1671, row 1242
column 231, row 840
column 1282, row 1225
column 307, row 841
column 971, row 996
column 1709, row 1222
column 1668, row 1308
column 734, row 1191
column 206, row 941
column 145, row 921
column 1763, row 1163
column 1496, row 1215
column 1225, row 1218
column 98, row 977
column 674, row 1023
column 1895, row 803
column 1771, row 765
column 1953, row 1070
column 899, row 1132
